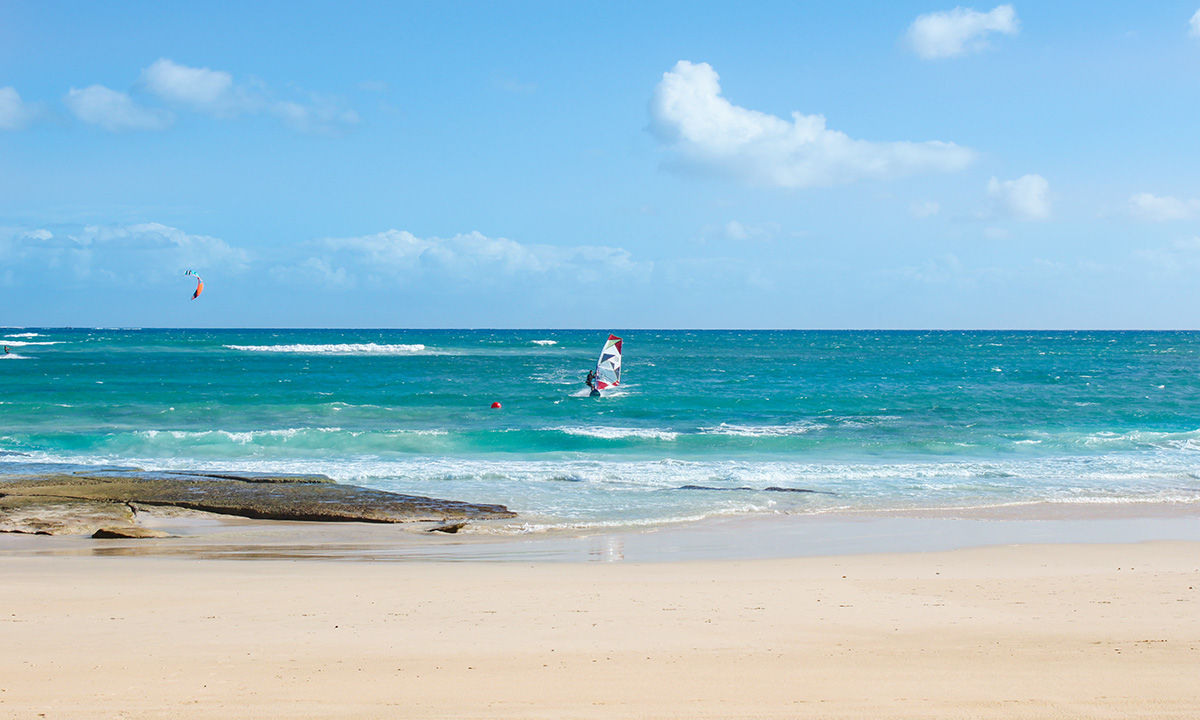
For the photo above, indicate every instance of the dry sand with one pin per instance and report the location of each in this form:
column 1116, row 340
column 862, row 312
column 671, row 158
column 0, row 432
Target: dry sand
column 1078, row 631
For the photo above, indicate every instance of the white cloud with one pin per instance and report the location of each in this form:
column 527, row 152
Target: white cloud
column 1181, row 255
column 129, row 252
column 1026, row 198
column 740, row 232
column 314, row 270
column 707, row 132
column 215, row 93
column 1195, row 25
column 1161, row 209
column 955, row 32
column 15, row 113
column 198, row 88
column 734, row 230
column 929, row 208
column 320, row 114
column 114, row 111
column 473, row 257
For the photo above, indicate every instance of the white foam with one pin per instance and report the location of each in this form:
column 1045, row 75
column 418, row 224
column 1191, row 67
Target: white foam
column 762, row 430
column 616, row 433
column 592, row 490
column 544, row 342
column 24, row 335
column 336, row 349
column 23, row 343
column 240, row 437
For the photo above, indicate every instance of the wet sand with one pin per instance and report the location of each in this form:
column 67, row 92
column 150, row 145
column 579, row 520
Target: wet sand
column 1025, row 631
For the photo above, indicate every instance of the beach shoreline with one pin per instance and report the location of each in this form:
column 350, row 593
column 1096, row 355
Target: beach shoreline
column 1046, row 630
column 1022, row 611
column 206, row 535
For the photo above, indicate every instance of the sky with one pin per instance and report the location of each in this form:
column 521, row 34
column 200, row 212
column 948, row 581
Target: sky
column 600, row 165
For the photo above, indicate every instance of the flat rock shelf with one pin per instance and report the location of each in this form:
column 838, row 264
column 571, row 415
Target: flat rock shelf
column 79, row 503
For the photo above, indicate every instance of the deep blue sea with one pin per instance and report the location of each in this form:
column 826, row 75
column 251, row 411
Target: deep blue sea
column 706, row 423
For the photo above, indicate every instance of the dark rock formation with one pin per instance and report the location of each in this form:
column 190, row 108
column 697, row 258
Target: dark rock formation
column 132, row 531
column 449, row 528
column 75, row 503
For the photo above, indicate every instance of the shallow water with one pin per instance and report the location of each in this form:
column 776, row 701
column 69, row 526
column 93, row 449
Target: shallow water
column 708, row 423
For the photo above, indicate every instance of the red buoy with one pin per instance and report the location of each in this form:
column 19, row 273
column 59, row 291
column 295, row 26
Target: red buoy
column 495, row 406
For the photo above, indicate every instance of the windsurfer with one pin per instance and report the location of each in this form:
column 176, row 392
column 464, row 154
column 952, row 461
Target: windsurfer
column 591, row 381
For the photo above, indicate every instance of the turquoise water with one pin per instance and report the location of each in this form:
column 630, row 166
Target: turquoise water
column 707, row 422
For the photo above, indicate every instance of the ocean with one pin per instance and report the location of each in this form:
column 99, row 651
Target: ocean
column 705, row 423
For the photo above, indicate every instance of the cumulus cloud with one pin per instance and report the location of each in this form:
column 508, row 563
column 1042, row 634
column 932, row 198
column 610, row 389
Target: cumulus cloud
column 198, row 88
column 15, row 113
column 709, row 133
column 1195, row 25
column 959, row 31
column 215, row 93
column 132, row 253
column 1026, row 198
column 474, row 257
column 114, row 111
column 1161, row 209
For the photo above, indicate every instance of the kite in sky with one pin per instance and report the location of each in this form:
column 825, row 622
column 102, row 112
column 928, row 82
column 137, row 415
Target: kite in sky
column 199, row 283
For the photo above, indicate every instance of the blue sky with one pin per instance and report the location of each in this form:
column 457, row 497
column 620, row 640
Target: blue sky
column 794, row 165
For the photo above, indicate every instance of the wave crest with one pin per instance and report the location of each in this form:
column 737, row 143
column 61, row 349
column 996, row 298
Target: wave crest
column 335, row 349
column 617, row 433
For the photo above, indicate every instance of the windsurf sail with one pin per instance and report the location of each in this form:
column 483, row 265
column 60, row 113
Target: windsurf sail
column 199, row 283
column 608, row 367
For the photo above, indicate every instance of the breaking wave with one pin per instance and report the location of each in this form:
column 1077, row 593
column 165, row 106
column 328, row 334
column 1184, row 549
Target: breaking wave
column 617, row 433
column 762, row 430
column 336, row 349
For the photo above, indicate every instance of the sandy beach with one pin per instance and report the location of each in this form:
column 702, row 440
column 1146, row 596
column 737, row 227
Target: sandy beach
column 1084, row 630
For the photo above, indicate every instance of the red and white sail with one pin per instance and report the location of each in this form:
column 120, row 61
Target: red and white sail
column 608, row 367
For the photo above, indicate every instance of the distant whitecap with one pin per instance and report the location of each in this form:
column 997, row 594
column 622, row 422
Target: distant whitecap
column 335, row 349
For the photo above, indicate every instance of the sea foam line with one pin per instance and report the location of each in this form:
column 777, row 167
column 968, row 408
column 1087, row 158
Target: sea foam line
column 762, row 430
column 617, row 433
column 335, row 349
column 241, row 437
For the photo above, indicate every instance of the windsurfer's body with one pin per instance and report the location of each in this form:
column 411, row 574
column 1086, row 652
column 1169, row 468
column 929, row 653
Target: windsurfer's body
column 590, row 381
